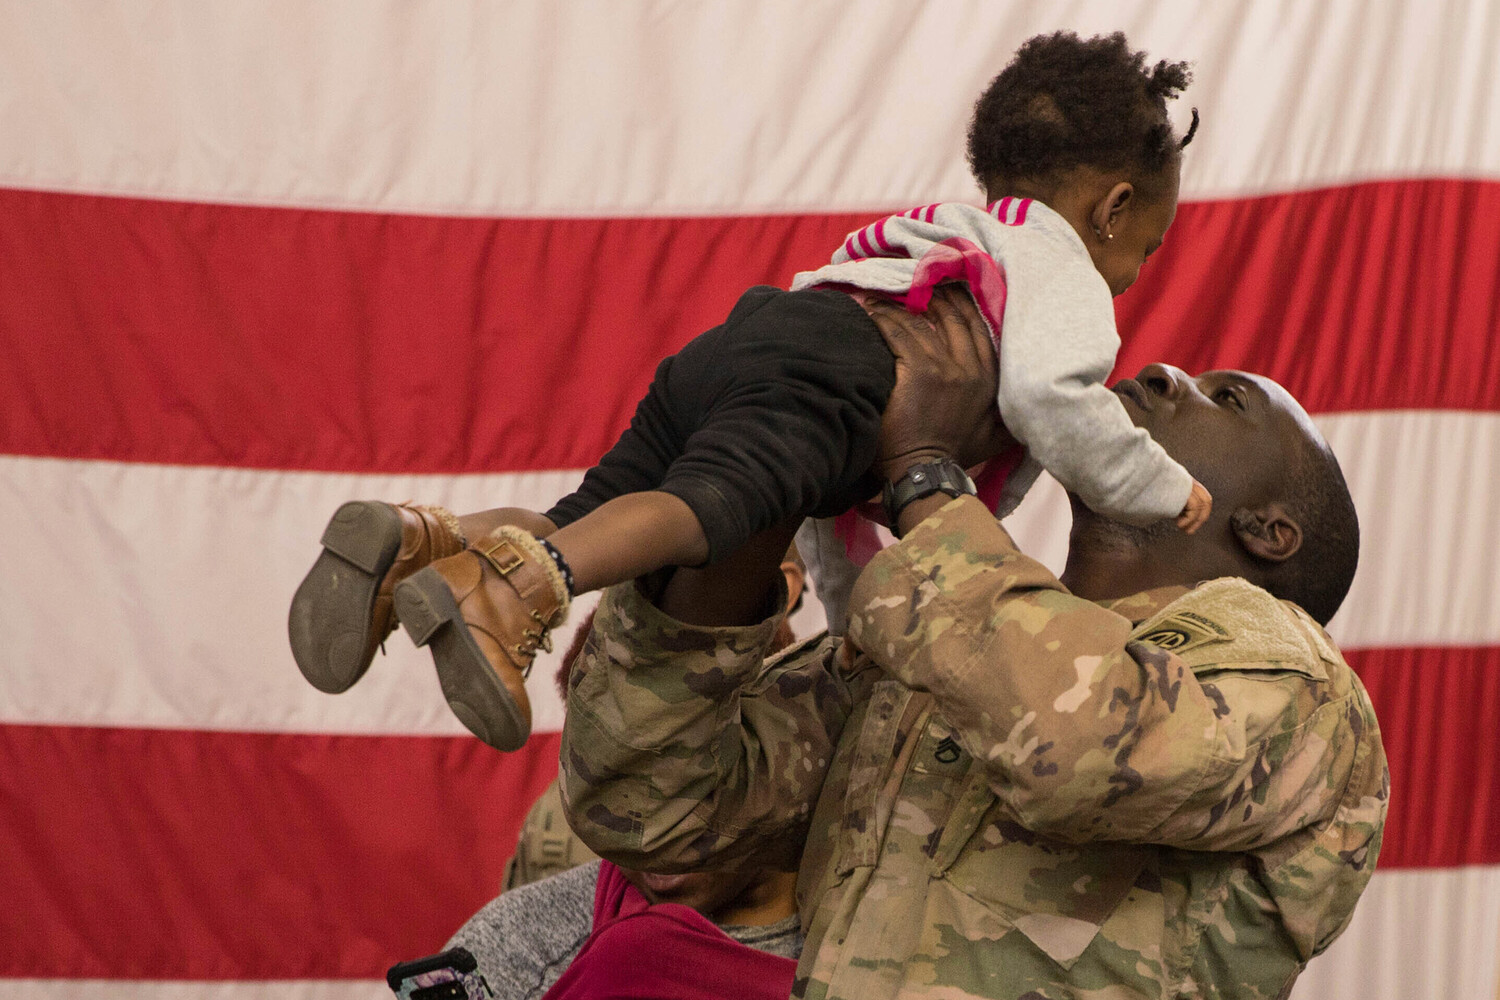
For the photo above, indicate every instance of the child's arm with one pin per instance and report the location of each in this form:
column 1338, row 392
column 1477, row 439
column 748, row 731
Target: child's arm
column 1058, row 344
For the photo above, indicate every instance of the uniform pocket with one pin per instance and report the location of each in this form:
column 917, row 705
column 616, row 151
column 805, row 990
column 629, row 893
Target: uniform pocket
column 1057, row 894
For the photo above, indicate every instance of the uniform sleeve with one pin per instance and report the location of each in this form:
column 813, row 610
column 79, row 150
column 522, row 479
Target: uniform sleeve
column 1057, row 347
column 684, row 749
column 1087, row 734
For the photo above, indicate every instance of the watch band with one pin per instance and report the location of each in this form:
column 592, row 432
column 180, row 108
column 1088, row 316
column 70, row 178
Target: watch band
column 923, row 479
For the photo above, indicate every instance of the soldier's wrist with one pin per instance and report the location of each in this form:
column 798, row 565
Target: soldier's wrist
column 921, row 488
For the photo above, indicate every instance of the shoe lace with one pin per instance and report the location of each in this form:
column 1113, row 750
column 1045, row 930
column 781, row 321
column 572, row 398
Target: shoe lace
column 539, row 637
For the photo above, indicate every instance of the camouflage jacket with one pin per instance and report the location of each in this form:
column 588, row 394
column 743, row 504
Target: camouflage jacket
column 547, row 846
column 1005, row 791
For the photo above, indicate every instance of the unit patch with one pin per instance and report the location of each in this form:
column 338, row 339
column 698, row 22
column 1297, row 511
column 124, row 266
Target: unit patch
column 1185, row 630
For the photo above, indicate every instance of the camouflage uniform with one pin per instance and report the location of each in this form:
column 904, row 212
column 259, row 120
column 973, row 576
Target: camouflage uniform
column 1005, row 791
column 546, row 846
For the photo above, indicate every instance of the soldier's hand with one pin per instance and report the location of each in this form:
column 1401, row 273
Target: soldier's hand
column 943, row 405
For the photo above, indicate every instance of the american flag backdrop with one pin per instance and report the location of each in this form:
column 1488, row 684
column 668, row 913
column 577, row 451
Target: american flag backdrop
column 258, row 258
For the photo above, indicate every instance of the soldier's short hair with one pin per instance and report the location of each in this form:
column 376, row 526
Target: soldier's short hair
column 1318, row 577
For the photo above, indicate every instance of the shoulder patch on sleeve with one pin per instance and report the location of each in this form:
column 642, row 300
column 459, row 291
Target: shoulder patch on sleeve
column 1232, row 621
column 1186, row 630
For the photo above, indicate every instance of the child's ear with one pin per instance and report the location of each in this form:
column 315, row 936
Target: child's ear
column 1105, row 217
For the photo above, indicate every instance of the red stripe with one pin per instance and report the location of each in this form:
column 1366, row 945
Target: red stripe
column 879, row 232
column 866, row 250
column 223, row 335
column 191, row 855
column 1000, row 207
column 1439, row 712
column 1374, row 296
column 1021, row 207
column 931, row 211
column 184, row 854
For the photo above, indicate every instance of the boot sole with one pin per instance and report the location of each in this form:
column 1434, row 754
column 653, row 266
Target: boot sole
column 427, row 611
column 330, row 621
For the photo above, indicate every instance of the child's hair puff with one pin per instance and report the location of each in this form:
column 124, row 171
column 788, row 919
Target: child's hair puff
column 1066, row 102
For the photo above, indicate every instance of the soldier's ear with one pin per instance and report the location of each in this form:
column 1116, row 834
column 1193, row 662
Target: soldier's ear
column 1269, row 533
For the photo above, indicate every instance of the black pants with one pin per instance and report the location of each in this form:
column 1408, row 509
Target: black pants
column 773, row 414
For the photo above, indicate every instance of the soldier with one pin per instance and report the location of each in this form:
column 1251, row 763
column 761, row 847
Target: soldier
column 1153, row 777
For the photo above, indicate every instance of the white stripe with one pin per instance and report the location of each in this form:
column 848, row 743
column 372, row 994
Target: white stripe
column 610, row 107
column 137, row 595
column 157, row 596
column 173, row 989
column 1417, row 934
column 1423, row 483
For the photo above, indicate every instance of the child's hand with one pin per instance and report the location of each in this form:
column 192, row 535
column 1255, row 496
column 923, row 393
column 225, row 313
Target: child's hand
column 1199, row 504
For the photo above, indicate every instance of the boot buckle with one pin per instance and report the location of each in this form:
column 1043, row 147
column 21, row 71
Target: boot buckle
column 514, row 559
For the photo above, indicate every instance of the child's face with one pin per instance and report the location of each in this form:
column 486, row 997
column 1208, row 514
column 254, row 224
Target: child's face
column 1135, row 232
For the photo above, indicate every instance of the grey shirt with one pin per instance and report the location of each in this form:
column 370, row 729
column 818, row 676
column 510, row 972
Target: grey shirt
column 1056, row 345
column 524, row 939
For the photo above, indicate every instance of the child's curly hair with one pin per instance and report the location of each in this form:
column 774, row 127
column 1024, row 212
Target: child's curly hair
column 1066, row 102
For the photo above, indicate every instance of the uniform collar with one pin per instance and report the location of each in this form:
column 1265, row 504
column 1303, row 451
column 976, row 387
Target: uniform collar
column 1139, row 607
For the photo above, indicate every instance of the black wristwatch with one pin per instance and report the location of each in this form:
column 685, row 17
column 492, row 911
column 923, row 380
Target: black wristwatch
column 923, row 480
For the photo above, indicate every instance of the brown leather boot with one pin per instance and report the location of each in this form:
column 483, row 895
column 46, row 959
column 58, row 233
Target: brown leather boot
column 485, row 612
column 342, row 611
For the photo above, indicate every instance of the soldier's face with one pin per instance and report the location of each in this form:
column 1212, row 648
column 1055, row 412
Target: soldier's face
column 706, row 892
column 1235, row 432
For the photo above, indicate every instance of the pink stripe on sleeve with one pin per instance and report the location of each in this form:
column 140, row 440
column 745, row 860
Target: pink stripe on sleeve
column 1021, row 207
column 878, row 231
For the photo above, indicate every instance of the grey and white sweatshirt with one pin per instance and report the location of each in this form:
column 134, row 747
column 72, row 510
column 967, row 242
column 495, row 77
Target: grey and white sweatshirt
column 1053, row 321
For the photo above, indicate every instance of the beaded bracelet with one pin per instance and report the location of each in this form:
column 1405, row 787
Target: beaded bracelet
column 562, row 566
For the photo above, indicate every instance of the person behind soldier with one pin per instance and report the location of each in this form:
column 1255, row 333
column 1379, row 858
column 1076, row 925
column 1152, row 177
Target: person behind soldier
column 527, row 937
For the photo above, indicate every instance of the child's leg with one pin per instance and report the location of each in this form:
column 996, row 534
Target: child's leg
column 628, row 537
column 770, row 416
column 341, row 612
column 481, row 523
column 485, row 611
